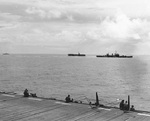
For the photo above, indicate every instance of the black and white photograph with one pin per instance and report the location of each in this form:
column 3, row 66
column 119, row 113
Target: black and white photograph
column 74, row 60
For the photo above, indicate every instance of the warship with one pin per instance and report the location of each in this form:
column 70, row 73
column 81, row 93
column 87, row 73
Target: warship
column 115, row 55
column 78, row 54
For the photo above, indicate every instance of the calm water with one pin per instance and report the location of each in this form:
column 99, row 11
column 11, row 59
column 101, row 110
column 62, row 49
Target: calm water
column 59, row 75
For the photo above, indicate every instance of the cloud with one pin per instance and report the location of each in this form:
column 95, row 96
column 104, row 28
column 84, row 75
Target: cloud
column 70, row 36
column 9, row 18
column 5, row 46
column 121, row 26
column 119, row 32
column 44, row 13
column 74, row 26
column 67, row 11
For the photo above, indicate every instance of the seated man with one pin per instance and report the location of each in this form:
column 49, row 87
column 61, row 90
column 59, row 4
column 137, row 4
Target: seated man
column 122, row 105
column 68, row 99
column 132, row 108
column 26, row 93
column 126, row 106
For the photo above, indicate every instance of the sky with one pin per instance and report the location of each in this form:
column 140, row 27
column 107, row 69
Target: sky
column 72, row 26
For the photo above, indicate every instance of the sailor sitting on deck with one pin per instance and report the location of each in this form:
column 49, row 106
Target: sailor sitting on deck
column 126, row 106
column 132, row 108
column 122, row 105
column 68, row 99
column 26, row 93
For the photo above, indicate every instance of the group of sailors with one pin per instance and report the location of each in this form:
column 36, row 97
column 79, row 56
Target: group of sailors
column 67, row 99
column 27, row 94
column 125, row 106
column 122, row 106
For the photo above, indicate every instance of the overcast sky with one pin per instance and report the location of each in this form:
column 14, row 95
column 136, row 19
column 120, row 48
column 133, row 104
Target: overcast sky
column 71, row 26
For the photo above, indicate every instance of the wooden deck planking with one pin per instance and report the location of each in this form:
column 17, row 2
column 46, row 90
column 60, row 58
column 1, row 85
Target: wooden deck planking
column 92, row 117
column 107, row 115
column 22, row 109
column 7, row 98
column 139, row 118
column 23, row 113
column 124, row 117
column 18, row 108
column 78, row 116
column 61, row 113
column 146, row 119
column 29, row 114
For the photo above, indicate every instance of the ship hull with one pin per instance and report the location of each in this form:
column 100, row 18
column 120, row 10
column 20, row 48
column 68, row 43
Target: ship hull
column 103, row 56
column 76, row 55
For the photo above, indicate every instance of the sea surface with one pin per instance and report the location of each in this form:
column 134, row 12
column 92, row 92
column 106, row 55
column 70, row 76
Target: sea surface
column 56, row 76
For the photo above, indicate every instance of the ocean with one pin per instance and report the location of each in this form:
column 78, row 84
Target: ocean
column 56, row 76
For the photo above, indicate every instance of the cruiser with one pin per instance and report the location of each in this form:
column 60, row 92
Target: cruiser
column 115, row 55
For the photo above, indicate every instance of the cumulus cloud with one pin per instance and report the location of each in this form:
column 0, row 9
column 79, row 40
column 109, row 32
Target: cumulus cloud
column 71, row 11
column 118, row 32
column 44, row 13
column 121, row 26
column 121, row 33
column 76, row 25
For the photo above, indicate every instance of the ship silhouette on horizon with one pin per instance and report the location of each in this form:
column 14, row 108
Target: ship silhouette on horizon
column 115, row 55
column 78, row 54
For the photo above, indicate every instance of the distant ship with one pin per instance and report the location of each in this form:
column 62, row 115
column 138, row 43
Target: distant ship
column 5, row 53
column 76, row 54
column 115, row 55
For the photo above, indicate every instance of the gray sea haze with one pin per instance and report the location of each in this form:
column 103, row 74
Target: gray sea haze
column 59, row 75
